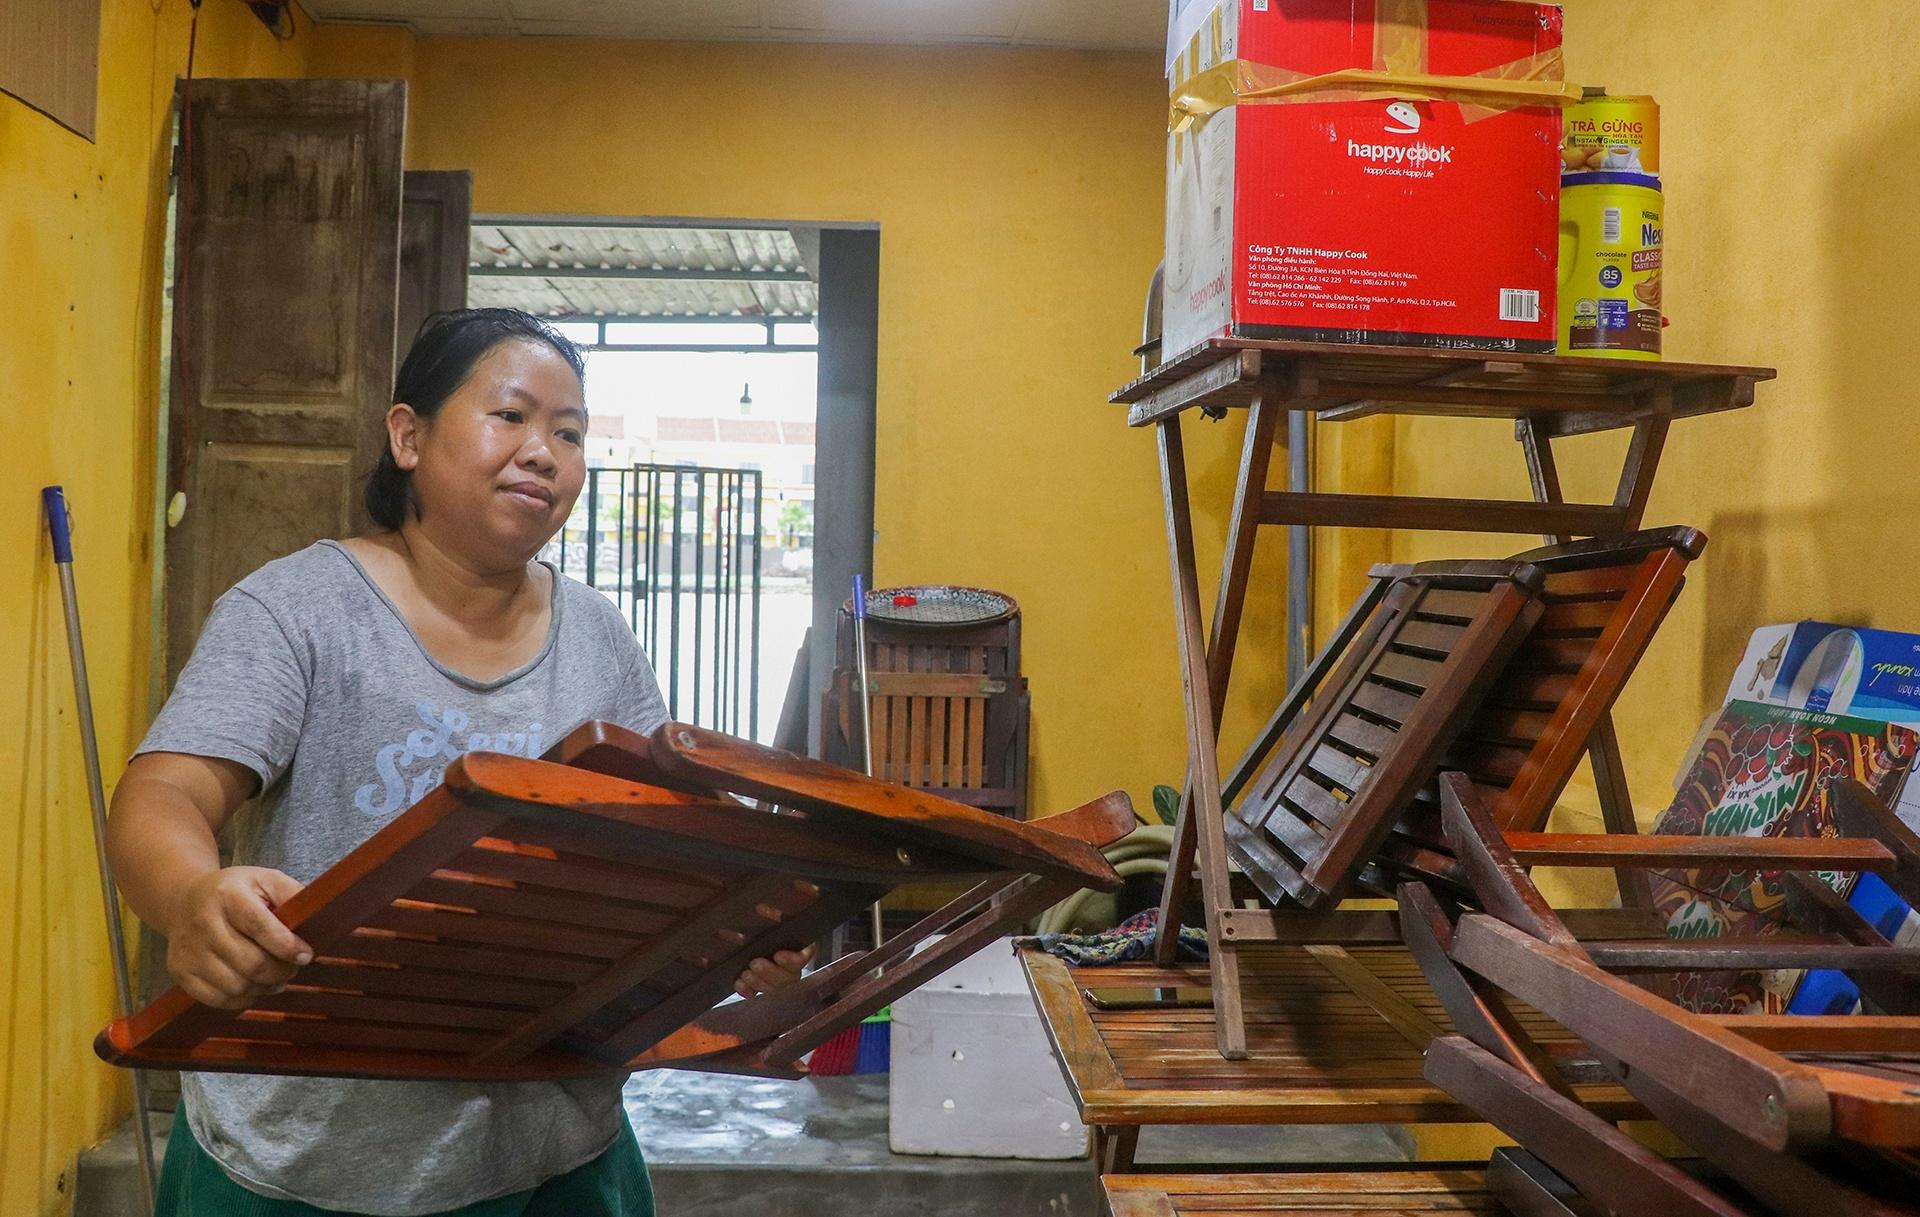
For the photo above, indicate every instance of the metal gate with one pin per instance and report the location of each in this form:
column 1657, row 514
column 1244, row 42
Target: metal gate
column 677, row 548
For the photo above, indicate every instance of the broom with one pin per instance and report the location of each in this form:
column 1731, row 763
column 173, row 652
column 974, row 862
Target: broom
column 863, row 1047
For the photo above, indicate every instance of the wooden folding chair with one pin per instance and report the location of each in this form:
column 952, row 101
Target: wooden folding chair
column 1538, row 713
column 1806, row 1114
column 585, row 913
column 1552, row 702
column 1328, row 797
column 1432, row 640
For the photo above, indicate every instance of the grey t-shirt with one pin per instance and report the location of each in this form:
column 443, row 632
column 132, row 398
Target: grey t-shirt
column 306, row 674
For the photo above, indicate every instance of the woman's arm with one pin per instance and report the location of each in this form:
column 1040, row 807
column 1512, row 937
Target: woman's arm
column 224, row 945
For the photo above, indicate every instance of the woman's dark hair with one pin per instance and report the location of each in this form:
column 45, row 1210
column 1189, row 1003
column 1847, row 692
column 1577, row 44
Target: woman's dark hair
column 439, row 362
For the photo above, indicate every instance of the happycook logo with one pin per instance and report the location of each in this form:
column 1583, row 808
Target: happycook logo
column 1401, row 157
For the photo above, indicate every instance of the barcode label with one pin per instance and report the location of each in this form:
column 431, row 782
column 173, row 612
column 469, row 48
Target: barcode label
column 1610, row 226
column 1516, row 305
column 1259, row 6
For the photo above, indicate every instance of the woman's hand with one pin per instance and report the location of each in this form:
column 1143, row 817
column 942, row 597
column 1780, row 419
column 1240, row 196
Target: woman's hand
column 226, row 947
column 766, row 975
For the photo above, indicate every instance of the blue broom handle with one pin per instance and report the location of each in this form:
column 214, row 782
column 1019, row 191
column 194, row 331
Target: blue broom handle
column 60, row 532
column 59, row 523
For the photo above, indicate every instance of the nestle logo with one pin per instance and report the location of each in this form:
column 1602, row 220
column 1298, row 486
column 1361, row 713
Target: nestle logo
column 1420, row 154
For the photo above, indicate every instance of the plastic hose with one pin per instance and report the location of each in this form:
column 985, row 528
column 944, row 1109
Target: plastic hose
column 1143, row 851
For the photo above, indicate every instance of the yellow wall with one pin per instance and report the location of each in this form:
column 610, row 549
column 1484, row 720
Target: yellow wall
column 80, row 242
column 1019, row 201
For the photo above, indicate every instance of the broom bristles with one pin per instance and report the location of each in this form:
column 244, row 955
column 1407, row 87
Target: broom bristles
column 862, row 1048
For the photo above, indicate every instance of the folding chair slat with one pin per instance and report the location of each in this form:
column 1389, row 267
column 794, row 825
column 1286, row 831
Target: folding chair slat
column 452, row 925
column 1553, row 656
column 1711, row 955
column 1488, row 764
column 1361, row 735
column 372, row 947
column 1307, row 800
column 1301, row 834
column 1261, row 856
column 1384, row 702
column 1411, row 672
column 1498, row 725
column 333, row 973
column 1575, row 618
column 1451, row 605
column 1434, row 639
column 1532, row 691
column 262, row 1026
column 578, row 876
column 1599, row 582
column 1336, row 768
column 304, row 1000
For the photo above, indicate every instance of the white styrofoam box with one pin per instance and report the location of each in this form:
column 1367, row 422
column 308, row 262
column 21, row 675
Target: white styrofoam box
column 971, row 1073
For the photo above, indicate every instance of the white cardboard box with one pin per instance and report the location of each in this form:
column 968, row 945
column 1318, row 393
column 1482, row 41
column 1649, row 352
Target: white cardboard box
column 971, row 1072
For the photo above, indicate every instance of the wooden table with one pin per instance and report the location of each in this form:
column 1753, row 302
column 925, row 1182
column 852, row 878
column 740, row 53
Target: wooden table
column 1335, row 1036
column 1547, row 396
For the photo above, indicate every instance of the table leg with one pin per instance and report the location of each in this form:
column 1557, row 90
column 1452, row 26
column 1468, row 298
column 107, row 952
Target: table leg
column 1203, row 766
column 1643, row 458
column 1113, row 1148
column 1541, row 470
column 1603, row 749
column 1228, row 606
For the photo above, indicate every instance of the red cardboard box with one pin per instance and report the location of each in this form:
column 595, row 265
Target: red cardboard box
column 1331, row 176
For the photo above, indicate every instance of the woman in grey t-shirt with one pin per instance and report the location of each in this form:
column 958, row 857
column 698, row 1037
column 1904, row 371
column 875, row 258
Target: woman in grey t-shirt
column 336, row 684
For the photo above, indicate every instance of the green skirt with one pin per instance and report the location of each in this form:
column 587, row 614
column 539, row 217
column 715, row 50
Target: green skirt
column 614, row 1184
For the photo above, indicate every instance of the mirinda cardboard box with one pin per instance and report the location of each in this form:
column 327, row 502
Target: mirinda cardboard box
column 1333, row 175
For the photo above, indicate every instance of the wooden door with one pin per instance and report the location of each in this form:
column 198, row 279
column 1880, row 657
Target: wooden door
column 436, row 218
column 283, row 334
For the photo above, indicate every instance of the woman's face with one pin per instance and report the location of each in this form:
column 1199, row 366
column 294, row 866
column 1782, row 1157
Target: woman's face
column 497, row 468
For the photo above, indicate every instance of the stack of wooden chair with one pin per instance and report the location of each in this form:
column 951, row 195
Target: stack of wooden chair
column 1420, row 760
column 948, row 706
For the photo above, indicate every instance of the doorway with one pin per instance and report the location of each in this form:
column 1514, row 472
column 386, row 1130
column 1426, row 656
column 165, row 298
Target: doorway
column 708, row 366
